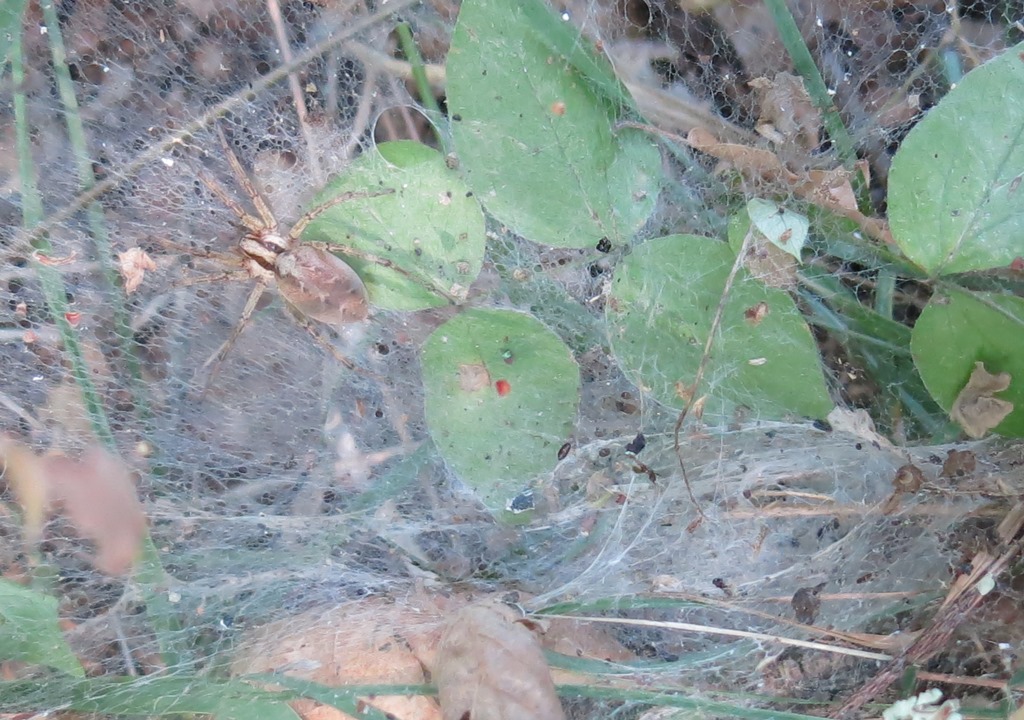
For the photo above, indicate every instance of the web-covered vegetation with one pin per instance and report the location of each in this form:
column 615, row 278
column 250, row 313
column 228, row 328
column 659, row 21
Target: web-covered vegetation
column 319, row 500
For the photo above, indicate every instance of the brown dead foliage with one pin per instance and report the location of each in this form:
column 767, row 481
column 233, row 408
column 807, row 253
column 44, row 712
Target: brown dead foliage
column 94, row 490
column 456, row 641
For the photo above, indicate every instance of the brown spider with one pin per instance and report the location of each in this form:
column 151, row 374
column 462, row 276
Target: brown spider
column 313, row 281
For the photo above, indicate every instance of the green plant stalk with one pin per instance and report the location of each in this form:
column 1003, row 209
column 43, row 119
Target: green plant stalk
column 150, row 573
column 865, row 320
column 816, row 88
column 885, row 288
column 97, row 226
column 153, row 695
column 50, row 280
column 419, row 76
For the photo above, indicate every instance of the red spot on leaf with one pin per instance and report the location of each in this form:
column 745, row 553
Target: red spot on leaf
column 503, row 387
column 1017, row 265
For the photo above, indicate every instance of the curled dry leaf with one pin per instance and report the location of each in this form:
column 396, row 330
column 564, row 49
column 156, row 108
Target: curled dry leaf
column 829, row 189
column 786, row 111
column 491, row 667
column 975, row 408
column 371, row 641
column 806, row 603
column 959, row 463
column 380, row 641
column 908, row 480
column 133, row 264
column 95, row 492
column 859, row 424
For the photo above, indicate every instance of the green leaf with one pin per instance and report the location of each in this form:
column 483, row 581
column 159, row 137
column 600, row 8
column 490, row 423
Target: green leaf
column 955, row 194
column 501, row 392
column 663, row 299
column 534, row 136
column 431, row 227
column 29, row 631
column 956, row 331
column 783, row 228
column 563, row 38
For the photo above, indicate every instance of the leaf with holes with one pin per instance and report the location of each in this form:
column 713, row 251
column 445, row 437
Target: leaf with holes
column 501, row 397
column 533, row 137
column 431, row 227
column 663, row 298
column 959, row 330
column 785, row 229
column 955, row 193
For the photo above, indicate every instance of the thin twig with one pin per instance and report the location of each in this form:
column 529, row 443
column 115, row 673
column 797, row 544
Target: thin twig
column 704, row 360
column 312, row 156
column 728, row 632
column 964, row 598
column 363, row 111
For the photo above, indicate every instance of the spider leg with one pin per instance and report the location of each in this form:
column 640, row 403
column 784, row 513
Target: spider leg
column 312, row 215
column 252, row 224
column 213, row 363
column 210, row 278
column 261, row 205
column 227, row 258
column 386, row 263
column 320, row 340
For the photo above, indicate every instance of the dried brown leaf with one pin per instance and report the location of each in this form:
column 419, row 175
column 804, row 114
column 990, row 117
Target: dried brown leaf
column 787, row 109
column 581, row 639
column 95, row 492
column 372, row 641
column 491, row 667
column 829, row 189
column 959, row 463
column 859, row 424
column 381, row 641
column 133, row 264
column 24, row 473
column 806, row 603
column 908, row 479
column 975, row 408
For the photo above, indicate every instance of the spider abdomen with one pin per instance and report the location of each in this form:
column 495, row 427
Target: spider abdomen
column 321, row 286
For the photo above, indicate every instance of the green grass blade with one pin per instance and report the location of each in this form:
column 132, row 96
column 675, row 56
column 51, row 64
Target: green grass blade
column 803, row 62
column 94, row 212
column 50, row 280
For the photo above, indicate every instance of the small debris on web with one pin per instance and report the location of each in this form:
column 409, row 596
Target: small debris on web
column 637, row 444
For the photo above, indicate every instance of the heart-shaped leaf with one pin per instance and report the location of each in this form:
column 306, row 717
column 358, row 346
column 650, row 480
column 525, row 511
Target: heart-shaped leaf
column 533, row 135
column 663, row 298
column 955, row 194
column 501, row 397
